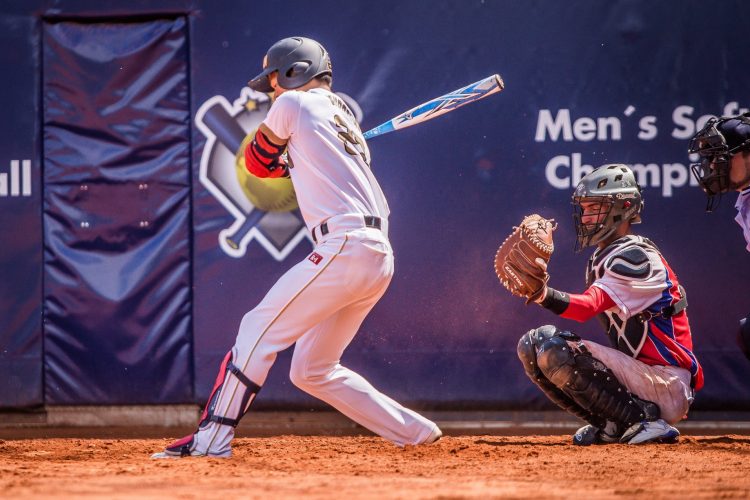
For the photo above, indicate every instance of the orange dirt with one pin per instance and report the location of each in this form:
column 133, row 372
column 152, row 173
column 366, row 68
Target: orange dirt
column 345, row 467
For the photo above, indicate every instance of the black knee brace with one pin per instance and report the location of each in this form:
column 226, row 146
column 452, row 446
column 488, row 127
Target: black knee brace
column 589, row 383
column 527, row 349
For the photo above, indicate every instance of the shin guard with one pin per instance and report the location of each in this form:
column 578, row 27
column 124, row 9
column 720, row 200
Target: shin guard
column 234, row 405
column 592, row 385
column 223, row 409
column 528, row 348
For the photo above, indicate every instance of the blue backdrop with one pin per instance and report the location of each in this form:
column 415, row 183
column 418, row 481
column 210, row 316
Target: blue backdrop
column 586, row 83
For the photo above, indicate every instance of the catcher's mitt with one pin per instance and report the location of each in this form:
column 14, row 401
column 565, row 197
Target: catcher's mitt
column 521, row 261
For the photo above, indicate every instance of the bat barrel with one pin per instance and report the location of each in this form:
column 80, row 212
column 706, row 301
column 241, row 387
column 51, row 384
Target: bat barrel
column 440, row 105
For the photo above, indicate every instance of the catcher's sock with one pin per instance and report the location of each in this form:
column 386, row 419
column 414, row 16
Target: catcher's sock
column 611, row 432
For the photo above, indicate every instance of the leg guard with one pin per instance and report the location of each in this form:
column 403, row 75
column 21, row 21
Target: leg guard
column 247, row 394
column 233, row 408
column 592, row 385
column 528, row 348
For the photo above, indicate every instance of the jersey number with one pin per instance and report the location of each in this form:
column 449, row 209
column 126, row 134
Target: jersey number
column 353, row 141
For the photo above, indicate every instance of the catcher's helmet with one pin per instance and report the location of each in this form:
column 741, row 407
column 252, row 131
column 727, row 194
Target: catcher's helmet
column 716, row 143
column 297, row 59
column 615, row 188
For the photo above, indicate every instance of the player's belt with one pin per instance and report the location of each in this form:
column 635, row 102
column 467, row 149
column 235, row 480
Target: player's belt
column 667, row 312
column 359, row 221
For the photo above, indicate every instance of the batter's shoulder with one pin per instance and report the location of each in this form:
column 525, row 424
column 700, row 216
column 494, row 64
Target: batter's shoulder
column 290, row 96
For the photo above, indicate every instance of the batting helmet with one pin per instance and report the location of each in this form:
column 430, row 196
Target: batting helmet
column 615, row 188
column 297, row 59
column 716, row 143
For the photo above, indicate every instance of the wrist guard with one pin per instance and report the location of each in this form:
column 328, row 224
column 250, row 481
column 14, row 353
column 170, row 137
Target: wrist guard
column 555, row 300
column 263, row 158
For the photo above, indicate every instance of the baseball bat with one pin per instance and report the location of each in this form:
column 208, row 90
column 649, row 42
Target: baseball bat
column 440, row 105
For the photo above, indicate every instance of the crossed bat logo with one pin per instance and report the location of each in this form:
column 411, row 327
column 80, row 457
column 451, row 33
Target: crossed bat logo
column 264, row 210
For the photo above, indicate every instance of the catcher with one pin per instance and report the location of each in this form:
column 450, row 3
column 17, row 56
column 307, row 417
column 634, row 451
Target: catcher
column 636, row 390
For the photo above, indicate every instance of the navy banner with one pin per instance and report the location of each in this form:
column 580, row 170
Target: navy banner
column 586, row 83
column 116, row 212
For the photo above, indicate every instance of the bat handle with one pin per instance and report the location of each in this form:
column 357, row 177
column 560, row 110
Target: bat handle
column 381, row 129
column 253, row 218
column 224, row 126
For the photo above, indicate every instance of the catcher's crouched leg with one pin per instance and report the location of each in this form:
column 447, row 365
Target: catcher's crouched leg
column 529, row 347
column 593, row 386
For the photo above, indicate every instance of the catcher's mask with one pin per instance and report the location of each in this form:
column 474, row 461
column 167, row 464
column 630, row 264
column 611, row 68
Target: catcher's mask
column 297, row 59
column 615, row 196
column 716, row 143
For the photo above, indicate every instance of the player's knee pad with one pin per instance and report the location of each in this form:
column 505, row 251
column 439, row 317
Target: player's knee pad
column 591, row 384
column 530, row 343
column 528, row 348
column 526, row 351
column 553, row 351
column 231, row 396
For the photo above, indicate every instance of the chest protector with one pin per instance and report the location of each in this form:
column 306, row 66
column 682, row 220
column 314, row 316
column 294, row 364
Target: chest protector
column 632, row 263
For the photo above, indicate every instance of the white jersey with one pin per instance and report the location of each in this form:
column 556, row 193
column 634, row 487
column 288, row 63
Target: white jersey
column 329, row 158
column 743, row 214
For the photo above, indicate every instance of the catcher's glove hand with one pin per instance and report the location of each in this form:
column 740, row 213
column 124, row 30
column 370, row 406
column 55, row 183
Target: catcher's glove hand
column 521, row 261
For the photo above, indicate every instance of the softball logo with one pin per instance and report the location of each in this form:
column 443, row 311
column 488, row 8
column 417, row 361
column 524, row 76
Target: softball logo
column 265, row 210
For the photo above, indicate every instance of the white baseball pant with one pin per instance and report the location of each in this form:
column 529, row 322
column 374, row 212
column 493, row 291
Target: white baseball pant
column 320, row 304
column 667, row 386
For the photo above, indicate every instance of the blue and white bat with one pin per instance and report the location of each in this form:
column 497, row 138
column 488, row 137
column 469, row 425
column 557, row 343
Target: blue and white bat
column 440, row 105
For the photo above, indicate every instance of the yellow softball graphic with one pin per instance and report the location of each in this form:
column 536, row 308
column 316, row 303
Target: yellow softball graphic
column 269, row 195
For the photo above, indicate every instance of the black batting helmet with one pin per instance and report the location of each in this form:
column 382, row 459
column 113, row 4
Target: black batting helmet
column 297, row 59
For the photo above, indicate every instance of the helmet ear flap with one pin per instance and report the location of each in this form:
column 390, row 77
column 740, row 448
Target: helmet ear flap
column 637, row 217
column 297, row 68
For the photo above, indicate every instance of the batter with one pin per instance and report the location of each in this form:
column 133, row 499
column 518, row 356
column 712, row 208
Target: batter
column 320, row 303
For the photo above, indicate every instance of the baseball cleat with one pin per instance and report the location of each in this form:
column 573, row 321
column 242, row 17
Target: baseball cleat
column 434, row 436
column 185, row 447
column 655, row 431
column 588, row 435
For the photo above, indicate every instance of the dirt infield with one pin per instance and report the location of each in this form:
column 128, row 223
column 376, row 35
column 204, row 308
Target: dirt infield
column 368, row 467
